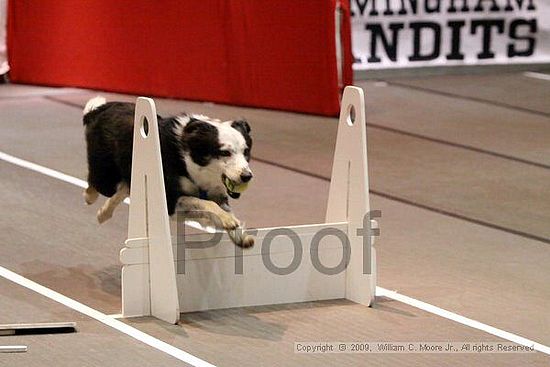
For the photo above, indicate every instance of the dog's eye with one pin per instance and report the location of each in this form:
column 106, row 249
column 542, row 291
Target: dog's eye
column 225, row 153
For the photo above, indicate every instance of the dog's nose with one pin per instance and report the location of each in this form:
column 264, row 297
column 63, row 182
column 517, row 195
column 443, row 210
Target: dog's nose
column 246, row 176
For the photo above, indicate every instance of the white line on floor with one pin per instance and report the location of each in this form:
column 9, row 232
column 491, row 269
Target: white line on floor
column 107, row 320
column 540, row 76
column 379, row 290
column 44, row 170
column 462, row 320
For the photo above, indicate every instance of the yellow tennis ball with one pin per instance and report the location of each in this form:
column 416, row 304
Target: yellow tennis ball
column 241, row 187
column 238, row 188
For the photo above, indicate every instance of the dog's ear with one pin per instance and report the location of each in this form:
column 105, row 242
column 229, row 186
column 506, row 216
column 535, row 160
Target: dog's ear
column 242, row 126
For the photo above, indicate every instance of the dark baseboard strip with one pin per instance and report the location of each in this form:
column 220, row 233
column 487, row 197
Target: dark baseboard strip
column 66, row 103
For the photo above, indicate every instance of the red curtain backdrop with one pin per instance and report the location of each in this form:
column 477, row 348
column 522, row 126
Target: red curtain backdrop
column 263, row 53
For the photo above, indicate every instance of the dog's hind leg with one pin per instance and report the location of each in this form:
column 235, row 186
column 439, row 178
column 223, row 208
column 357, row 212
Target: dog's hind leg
column 106, row 211
column 90, row 195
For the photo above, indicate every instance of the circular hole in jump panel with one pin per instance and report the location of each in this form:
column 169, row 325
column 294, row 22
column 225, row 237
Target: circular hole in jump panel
column 144, row 127
column 351, row 115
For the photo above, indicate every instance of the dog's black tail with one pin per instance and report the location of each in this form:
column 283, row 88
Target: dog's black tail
column 91, row 105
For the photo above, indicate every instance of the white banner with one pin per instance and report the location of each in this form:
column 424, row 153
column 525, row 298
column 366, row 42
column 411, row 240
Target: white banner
column 411, row 33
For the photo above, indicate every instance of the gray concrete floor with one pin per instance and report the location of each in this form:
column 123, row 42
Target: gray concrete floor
column 459, row 167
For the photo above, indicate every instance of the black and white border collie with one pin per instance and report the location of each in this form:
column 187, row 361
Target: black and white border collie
column 199, row 155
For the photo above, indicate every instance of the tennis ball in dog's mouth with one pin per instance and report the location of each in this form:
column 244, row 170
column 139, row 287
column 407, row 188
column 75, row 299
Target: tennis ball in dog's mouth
column 233, row 187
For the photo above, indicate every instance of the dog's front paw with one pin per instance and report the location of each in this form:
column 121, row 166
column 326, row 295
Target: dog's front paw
column 103, row 215
column 240, row 238
column 247, row 241
column 229, row 221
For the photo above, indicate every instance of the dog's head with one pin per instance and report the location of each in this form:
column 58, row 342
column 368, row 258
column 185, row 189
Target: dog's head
column 217, row 152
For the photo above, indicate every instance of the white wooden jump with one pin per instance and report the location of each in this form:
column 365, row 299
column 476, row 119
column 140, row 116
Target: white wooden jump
column 223, row 275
